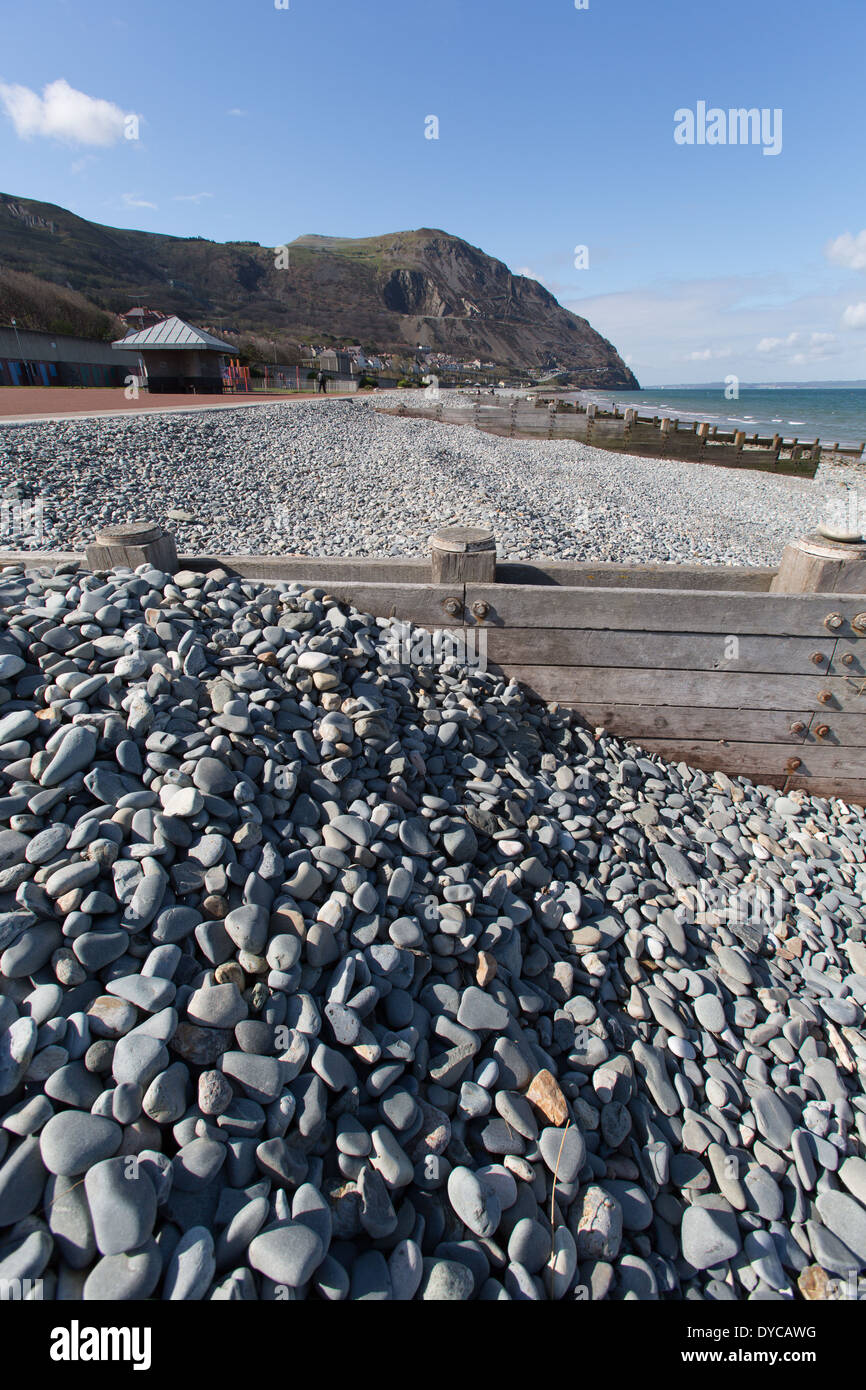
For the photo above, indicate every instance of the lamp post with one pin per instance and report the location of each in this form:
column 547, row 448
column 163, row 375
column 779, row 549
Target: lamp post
column 17, row 339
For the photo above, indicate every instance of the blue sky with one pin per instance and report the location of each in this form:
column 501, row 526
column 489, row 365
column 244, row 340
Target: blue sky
column 556, row 130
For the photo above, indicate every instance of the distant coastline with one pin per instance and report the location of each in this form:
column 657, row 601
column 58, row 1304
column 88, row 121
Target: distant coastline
column 833, row 414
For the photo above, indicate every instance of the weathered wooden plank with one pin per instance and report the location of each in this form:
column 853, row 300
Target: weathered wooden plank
column 849, row 658
column 755, row 759
column 607, row 574
column 659, row 721
column 314, row 569
column 847, row 728
column 677, row 651
column 703, row 689
column 659, row 610
column 422, row 604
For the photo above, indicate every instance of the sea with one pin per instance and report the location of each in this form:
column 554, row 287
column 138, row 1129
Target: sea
column 832, row 414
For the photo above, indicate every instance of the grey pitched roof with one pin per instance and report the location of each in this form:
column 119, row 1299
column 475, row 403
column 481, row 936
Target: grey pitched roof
column 173, row 335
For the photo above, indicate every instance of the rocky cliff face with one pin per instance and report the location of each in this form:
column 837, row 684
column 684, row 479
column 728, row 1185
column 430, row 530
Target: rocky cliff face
column 391, row 292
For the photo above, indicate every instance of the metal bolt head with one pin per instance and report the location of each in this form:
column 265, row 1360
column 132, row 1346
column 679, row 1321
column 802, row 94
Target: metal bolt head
column 798, row 728
column 858, row 622
column 481, row 609
column 833, row 620
column 792, row 764
column 848, row 659
column 825, row 696
column 817, row 658
column 822, row 730
column 452, row 607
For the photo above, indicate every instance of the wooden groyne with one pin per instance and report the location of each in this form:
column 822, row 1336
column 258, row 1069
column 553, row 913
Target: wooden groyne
column 626, row 432
column 752, row 672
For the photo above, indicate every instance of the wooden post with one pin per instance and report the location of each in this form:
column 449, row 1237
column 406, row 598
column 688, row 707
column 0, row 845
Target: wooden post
column 131, row 545
column 829, row 561
column 777, row 444
column 739, row 440
column 463, row 555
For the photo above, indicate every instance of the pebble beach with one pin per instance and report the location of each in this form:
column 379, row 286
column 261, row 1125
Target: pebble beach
column 328, row 977
column 338, row 478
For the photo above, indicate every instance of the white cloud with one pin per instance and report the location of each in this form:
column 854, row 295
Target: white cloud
column 190, row 197
column 236, row 111
column 62, row 113
column 848, row 250
column 131, row 200
column 855, row 316
column 707, row 354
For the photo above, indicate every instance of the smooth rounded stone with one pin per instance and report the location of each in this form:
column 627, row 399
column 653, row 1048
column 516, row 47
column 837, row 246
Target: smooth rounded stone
column 480, row 1013
column 164, row 1101
column 446, row 1281
column 95, row 950
column 17, row 1046
column 636, row 1279
column 248, row 928
column 28, row 1116
column 352, row 1138
column 148, row 993
column 375, row 1211
column 288, row 1254
column 759, row 1249
column 845, row 1218
column 30, row 952
column 261, row 1078
column 219, row 1006
column 22, row 1180
column 138, row 1058
column 76, row 750
column 129, row 1277
column 709, row 1012
column 72, row 1141
column 773, row 1118
column 197, row 1164
column 763, row 1194
column 709, row 1237
column 476, row 1204
column 191, row 1267
column 215, row 1094
column 69, row 1221
column 563, row 1151
column 529, row 1245
column 405, row 1270
column 213, row 777
column 122, row 1202
column 231, row 1245
column 853, row 1174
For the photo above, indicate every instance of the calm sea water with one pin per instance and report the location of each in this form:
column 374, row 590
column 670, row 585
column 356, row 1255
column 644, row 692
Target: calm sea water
column 831, row 414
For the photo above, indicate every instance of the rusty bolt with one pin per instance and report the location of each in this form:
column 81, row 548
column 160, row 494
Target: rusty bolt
column 481, row 609
column 792, row 764
column 825, row 696
column 798, row 728
column 858, row 622
column 833, row 620
column 453, row 607
column 817, row 658
column 822, row 730
column 848, row 659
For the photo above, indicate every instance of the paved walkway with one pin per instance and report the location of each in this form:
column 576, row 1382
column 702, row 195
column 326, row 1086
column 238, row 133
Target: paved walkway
column 24, row 405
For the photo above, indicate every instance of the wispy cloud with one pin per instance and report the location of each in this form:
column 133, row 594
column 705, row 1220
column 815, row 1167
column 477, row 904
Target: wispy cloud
column 190, row 197
column 62, row 113
column 847, row 250
column 131, row 200
column 236, row 111
column 855, row 316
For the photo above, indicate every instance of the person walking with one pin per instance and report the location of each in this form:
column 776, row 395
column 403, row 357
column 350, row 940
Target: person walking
column 322, row 381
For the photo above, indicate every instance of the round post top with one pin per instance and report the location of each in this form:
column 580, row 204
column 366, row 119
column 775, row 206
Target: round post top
column 131, row 533
column 463, row 540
